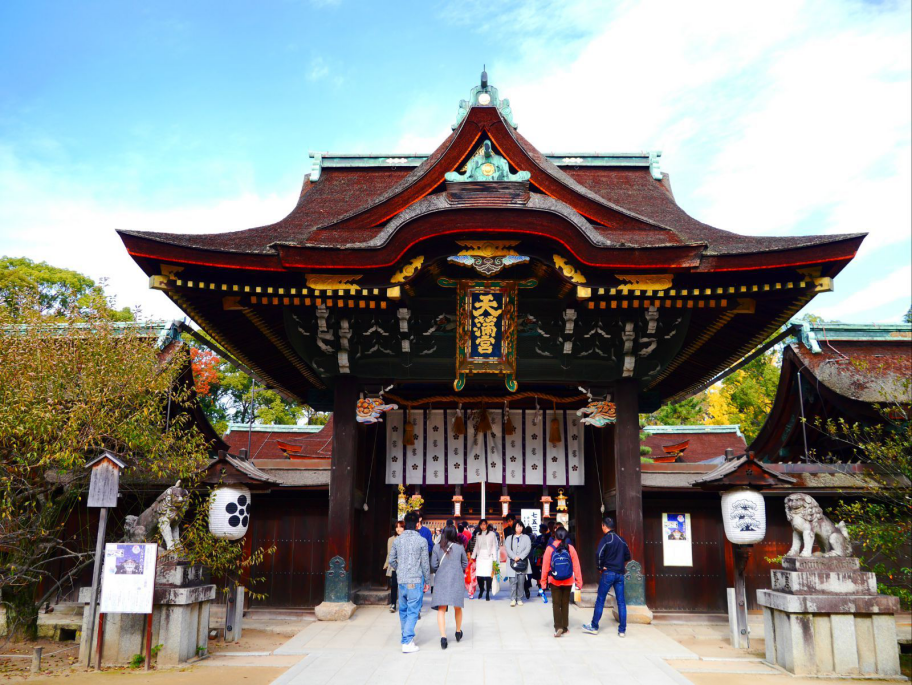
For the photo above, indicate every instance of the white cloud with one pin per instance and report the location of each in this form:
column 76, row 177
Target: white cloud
column 47, row 216
column 318, row 69
column 793, row 118
column 896, row 287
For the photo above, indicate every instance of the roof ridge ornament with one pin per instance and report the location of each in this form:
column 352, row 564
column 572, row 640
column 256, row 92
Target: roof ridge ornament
column 487, row 165
column 485, row 95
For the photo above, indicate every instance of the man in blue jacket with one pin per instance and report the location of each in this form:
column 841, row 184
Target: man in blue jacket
column 612, row 557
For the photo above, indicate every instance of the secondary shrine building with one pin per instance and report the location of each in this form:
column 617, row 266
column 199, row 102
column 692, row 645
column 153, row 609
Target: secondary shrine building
column 519, row 308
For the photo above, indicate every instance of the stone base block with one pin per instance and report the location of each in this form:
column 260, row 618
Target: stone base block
column 805, row 641
column 636, row 613
column 180, row 627
column 335, row 611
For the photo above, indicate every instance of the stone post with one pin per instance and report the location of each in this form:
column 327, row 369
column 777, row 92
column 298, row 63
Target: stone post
column 823, row 616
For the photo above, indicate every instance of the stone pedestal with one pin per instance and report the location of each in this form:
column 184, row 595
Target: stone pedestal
column 823, row 616
column 180, row 620
column 334, row 611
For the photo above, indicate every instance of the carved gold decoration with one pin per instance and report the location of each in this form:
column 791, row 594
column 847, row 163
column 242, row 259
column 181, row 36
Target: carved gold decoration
column 645, row 282
column 568, row 269
column 330, row 282
column 407, row 271
column 488, row 248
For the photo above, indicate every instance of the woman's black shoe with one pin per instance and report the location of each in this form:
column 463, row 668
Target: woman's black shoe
column 443, row 643
column 458, row 635
column 488, row 597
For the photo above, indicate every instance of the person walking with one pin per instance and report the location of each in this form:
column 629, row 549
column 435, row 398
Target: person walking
column 398, row 527
column 426, row 533
column 448, row 562
column 560, row 569
column 486, row 550
column 527, row 586
column 471, row 580
column 612, row 556
column 409, row 559
column 518, row 547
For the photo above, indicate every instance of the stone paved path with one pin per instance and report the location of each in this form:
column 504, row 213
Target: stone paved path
column 502, row 645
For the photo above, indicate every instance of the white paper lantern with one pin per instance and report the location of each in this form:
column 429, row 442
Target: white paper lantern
column 744, row 516
column 229, row 512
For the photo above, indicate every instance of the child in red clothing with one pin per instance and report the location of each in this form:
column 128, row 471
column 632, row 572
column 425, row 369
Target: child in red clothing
column 560, row 587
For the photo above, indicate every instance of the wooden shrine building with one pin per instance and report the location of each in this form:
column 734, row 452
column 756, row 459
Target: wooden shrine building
column 494, row 287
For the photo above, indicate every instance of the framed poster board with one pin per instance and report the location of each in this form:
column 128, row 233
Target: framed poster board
column 128, row 578
column 677, row 540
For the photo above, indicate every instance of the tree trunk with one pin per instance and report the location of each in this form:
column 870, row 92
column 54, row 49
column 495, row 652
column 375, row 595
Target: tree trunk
column 21, row 613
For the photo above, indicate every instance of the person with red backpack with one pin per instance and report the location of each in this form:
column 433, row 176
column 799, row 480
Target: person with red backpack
column 560, row 569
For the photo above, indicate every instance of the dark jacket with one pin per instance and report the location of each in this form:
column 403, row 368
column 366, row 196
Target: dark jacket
column 613, row 553
column 426, row 533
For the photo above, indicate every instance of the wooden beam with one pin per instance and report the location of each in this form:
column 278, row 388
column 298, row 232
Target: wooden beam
column 342, row 485
column 627, row 466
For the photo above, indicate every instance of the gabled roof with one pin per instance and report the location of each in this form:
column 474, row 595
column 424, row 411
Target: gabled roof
column 348, row 201
column 848, row 371
column 267, row 441
column 742, row 471
column 703, row 442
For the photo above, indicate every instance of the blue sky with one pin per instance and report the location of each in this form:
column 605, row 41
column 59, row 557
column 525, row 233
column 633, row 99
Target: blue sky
column 775, row 119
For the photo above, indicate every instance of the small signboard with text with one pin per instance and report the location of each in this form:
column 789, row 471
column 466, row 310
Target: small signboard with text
column 128, row 578
column 531, row 518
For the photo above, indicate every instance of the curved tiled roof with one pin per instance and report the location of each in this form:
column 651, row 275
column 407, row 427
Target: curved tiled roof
column 347, row 207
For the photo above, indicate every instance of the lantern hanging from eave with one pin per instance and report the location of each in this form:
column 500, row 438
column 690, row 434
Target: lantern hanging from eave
column 229, row 512
column 743, row 516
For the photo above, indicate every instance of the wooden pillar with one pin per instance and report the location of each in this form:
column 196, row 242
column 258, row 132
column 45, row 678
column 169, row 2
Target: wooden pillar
column 627, row 466
column 340, row 525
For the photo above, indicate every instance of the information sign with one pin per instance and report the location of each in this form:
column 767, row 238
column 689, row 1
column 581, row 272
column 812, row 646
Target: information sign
column 128, row 578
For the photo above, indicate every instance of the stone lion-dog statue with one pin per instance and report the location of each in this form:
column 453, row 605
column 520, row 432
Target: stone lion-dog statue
column 809, row 522
column 165, row 514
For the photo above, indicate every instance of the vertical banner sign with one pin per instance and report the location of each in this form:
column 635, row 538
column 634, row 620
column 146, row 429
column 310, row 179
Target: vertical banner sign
column 456, row 451
column 435, row 435
column 513, row 450
column 486, row 331
column 535, row 448
column 414, row 454
column 494, row 445
column 556, row 454
column 394, row 453
column 440, row 457
column 574, row 435
column 477, row 471
column 677, row 540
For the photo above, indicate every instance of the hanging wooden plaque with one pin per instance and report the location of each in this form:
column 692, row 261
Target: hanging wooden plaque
column 486, row 331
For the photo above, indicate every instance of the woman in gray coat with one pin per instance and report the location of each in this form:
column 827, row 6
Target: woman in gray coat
column 518, row 547
column 448, row 561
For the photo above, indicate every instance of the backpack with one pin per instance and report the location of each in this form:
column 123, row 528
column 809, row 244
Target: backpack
column 561, row 564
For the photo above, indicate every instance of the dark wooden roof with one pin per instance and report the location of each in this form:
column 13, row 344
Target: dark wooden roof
column 701, row 444
column 851, row 372
column 351, row 208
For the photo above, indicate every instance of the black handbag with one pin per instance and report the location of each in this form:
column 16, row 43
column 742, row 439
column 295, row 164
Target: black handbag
column 521, row 565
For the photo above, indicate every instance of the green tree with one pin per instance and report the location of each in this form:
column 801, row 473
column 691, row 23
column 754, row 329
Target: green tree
column 746, row 396
column 689, row 412
column 230, row 396
column 908, row 317
column 52, row 291
column 880, row 523
column 67, row 394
